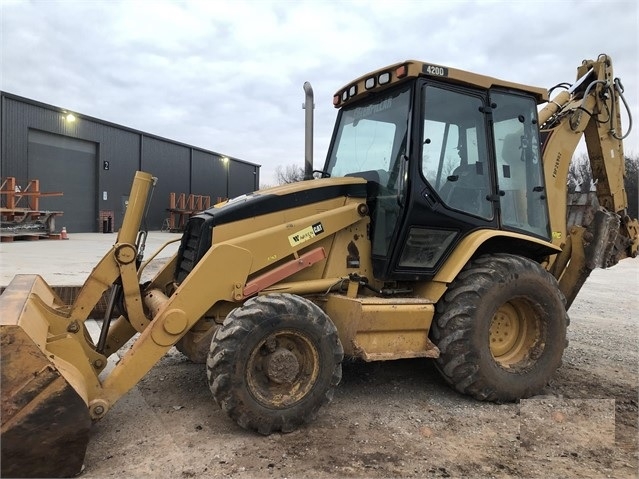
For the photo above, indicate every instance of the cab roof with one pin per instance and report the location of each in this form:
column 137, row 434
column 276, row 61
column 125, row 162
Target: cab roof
column 399, row 72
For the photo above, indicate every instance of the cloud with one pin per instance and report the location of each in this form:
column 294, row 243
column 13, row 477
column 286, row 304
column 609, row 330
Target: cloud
column 228, row 75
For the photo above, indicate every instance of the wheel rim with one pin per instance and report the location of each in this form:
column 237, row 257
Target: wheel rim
column 514, row 333
column 282, row 369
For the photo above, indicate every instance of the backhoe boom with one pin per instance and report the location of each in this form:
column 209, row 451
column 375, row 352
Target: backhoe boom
column 590, row 109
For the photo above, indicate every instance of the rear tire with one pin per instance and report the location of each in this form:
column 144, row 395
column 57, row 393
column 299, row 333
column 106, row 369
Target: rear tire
column 274, row 362
column 501, row 329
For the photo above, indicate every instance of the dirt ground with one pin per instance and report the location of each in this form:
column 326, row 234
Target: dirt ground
column 399, row 419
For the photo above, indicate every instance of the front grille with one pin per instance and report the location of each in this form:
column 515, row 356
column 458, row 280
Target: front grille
column 195, row 242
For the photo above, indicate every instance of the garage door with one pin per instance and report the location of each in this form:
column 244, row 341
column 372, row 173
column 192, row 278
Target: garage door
column 68, row 165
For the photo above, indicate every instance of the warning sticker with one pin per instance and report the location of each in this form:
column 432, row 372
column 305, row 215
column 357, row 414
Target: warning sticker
column 306, row 234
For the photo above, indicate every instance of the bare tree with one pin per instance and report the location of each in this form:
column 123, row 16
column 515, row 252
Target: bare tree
column 289, row 174
column 580, row 179
column 580, row 175
column 573, row 179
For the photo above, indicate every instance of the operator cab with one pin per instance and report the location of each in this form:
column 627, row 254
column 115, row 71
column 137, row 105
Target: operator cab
column 445, row 153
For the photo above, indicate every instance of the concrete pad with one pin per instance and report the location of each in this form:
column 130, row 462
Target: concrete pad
column 69, row 262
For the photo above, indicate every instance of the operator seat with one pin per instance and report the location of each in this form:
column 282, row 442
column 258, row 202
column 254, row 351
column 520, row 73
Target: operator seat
column 466, row 190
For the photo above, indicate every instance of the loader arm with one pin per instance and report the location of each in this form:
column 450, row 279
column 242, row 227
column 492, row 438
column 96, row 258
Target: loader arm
column 589, row 109
column 203, row 288
column 54, row 375
column 50, row 365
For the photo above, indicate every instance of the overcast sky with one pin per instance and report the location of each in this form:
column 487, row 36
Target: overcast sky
column 227, row 75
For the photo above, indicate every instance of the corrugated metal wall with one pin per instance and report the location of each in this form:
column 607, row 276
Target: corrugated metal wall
column 180, row 168
column 242, row 177
column 170, row 163
column 207, row 173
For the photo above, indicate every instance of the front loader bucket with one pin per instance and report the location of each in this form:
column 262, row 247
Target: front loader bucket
column 45, row 422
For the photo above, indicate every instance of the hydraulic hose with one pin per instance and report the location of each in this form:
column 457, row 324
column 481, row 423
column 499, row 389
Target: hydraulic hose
column 619, row 89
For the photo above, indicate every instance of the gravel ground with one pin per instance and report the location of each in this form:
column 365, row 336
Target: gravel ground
column 399, row 419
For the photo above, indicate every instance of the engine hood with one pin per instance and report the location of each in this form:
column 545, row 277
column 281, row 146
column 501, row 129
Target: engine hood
column 197, row 237
column 283, row 197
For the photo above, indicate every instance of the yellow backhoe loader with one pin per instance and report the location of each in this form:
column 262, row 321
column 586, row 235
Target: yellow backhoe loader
column 438, row 228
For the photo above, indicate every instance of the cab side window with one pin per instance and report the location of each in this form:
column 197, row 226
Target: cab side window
column 454, row 151
column 519, row 169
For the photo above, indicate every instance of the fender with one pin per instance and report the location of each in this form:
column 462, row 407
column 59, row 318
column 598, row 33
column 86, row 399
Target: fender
column 481, row 241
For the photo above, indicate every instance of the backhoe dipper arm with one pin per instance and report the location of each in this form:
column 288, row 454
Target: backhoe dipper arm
column 591, row 109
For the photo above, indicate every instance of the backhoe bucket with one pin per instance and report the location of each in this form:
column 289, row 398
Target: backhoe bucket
column 45, row 422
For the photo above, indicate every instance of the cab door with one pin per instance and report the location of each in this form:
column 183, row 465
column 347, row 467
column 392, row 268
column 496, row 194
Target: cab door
column 451, row 189
column 455, row 158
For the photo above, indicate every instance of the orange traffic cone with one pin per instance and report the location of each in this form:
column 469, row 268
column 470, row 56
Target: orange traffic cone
column 63, row 233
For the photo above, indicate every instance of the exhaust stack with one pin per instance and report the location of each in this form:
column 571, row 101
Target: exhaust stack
column 308, row 106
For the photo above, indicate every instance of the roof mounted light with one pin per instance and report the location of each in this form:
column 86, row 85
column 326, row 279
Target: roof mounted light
column 401, row 71
column 369, row 83
column 352, row 91
column 384, row 78
column 345, row 95
column 335, row 100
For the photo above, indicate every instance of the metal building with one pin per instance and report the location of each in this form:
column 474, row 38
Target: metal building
column 93, row 163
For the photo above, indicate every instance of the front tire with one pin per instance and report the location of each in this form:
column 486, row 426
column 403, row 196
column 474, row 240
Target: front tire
column 274, row 362
column 196, row 344
column 501, row 329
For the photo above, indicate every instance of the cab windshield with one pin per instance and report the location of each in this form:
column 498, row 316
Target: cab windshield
column 370, row 142
column 371, row 138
